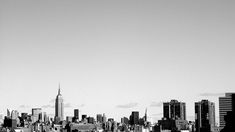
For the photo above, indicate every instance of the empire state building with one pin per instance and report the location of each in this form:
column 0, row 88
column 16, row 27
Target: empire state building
column 59, row 107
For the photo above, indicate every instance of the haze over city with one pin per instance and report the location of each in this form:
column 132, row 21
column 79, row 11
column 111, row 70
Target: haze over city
column 115, row 57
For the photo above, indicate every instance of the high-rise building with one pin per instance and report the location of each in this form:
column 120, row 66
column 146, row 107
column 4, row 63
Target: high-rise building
column 134, row 118
column 204, row 116
column 14, row 114
column 76, row 114
column 90, row 120
column 125, row 120
column 99, row 118
column 35, row 114
column 174, row 110
column 59, row 107
column 104, row 118
column 84, row 117
column 226, row 104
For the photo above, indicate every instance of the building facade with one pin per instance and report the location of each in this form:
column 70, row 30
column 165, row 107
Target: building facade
column 204, row 116
column 225, row 105
column 134, row 118
column 76, row 114
column 174, row 110
column 35, row 114
column 59, row 107
column 99, row 118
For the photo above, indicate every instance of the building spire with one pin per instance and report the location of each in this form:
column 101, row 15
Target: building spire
column 146, row 114
column 59, row 89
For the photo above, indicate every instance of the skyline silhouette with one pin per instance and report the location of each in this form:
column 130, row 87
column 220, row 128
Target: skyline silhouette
column 115, row 56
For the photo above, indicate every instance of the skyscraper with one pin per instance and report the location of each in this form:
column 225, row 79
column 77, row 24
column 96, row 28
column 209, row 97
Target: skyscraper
column 59, row 107
column 134, row 118
column 104, row 118
column 174, row 110
column 99, row 118
column 225, row 105
column 35, row 114
column 76, row 113
column 204, row 116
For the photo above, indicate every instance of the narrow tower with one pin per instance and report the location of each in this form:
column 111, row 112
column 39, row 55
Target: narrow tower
column 59, row 107
column 145, row 116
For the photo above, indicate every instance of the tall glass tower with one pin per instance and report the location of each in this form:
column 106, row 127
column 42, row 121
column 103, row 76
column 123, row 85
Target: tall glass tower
column 205, row 116
column 59, row 107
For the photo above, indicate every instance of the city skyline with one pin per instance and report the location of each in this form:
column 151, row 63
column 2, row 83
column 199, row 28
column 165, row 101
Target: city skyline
column 115, row 56
column 179, row 110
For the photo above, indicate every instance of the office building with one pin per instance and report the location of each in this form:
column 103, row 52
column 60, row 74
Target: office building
column 134, row 118
column 125, row 120
column 104, row 118
column 84, row 117
column 99, row 118
column 174, row 110
column 90, row 120
column 11, row 123
column 225, row 105
column 204, row 116
column 59, row 107
column 76, row 114
column 36, row 114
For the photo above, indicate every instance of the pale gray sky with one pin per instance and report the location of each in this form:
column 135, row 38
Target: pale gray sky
column 115, row 56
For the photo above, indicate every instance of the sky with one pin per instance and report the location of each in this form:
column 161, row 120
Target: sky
column 115, row 57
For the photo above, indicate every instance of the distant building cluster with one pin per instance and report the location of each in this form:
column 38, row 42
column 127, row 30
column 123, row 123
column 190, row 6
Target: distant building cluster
column 173, row 120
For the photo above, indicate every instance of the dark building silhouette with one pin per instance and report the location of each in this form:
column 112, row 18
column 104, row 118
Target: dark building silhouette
column 90, row 120
column 205, row 116
column 174, row 117
column 8, row 122
column 84, row 117
column 172, row 125
column 111, row 119
column 229, row 118
column 134, row 118
column 24, row 116
column 174, row 110
column 225, row 105
column 76, row 113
